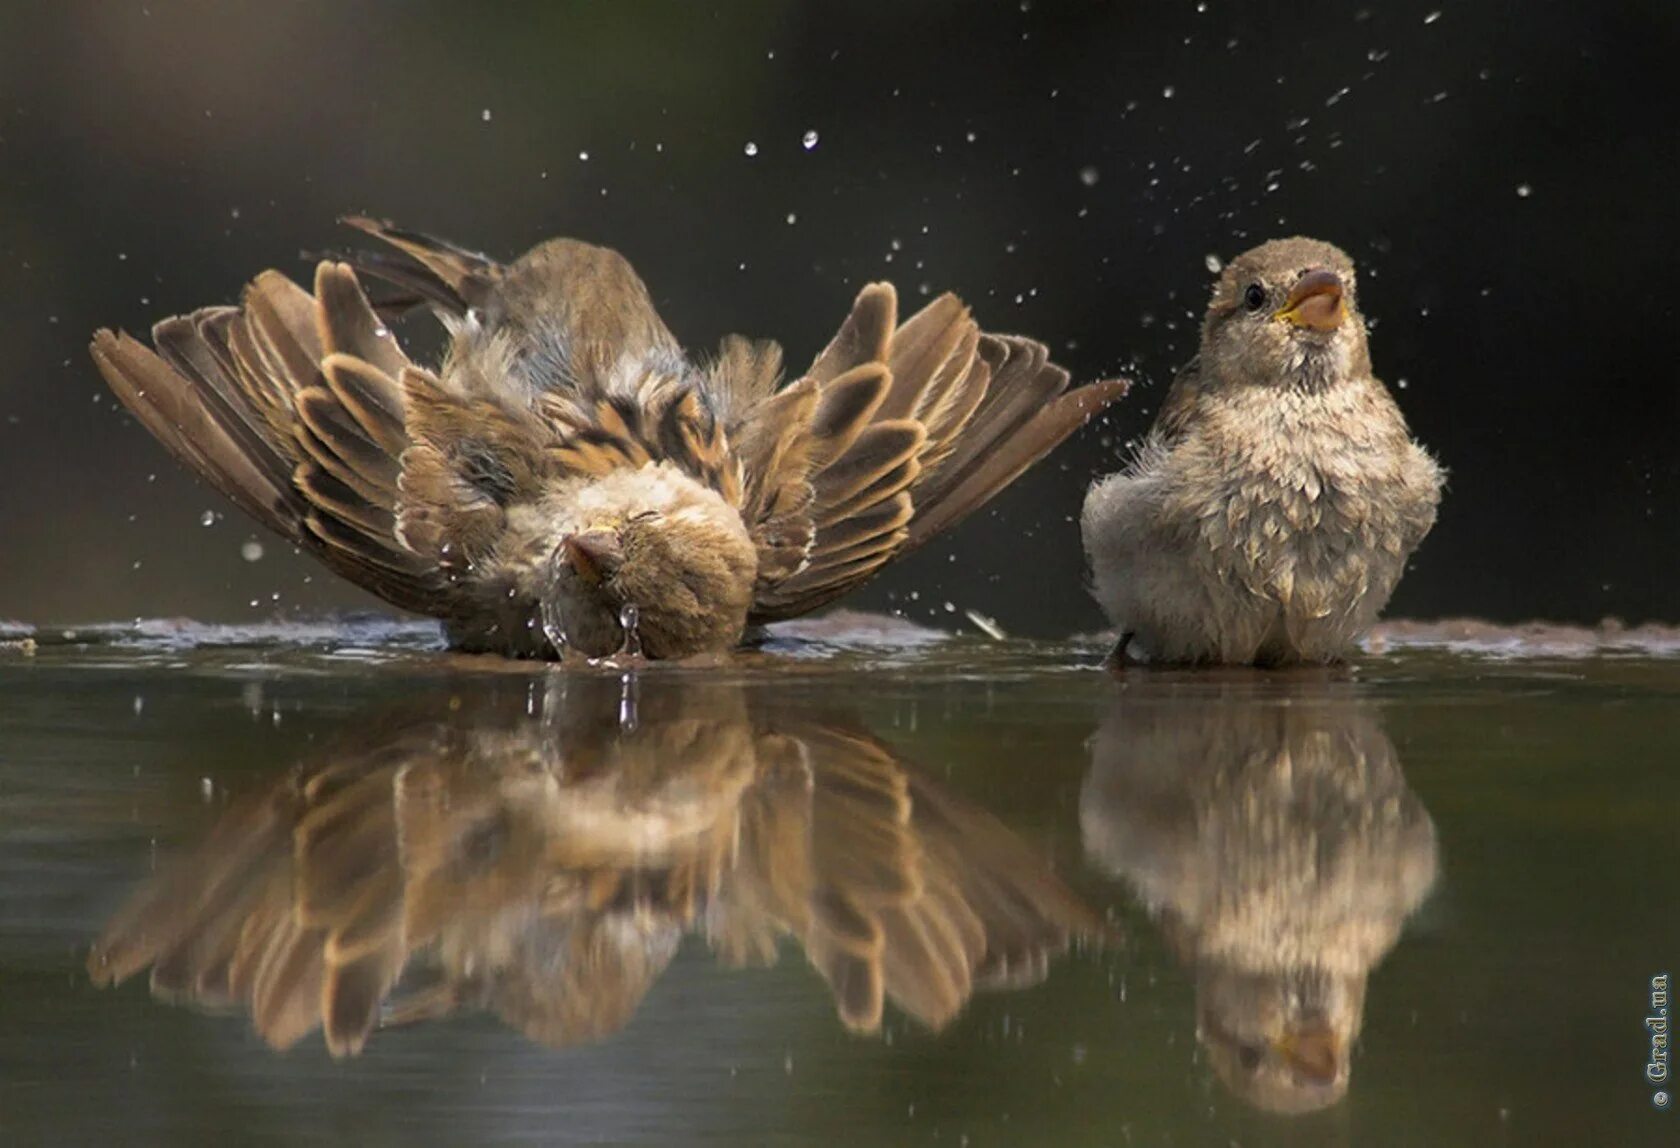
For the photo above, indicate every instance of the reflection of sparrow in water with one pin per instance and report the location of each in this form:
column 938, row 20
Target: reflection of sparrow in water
column 569, row 479
column 1269, row 514
column 547, row 868
column 1276, row 841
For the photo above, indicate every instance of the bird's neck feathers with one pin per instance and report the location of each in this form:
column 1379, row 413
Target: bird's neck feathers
column 1316, row 368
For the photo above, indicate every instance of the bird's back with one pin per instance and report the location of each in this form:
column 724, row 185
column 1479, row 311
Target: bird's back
column 567, row 317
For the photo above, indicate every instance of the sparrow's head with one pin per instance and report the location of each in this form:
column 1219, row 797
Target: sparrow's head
column 1280, row 1041
column 660, row 564
column 1285, row 313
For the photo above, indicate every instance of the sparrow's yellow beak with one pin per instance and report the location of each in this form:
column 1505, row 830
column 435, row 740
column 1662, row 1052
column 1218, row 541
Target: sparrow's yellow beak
column 593, row 553
column 1315, row 302
column 1313, row 1052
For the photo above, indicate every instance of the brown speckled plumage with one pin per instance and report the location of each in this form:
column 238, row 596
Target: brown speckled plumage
column 1270, row 513
column 567, row 461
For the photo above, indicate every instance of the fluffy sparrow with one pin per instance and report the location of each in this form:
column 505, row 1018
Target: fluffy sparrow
column 1269, row 514
column 568, row 478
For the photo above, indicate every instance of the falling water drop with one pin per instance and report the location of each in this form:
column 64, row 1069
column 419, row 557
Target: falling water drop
column 809, row 140
column 628, row 688
column 751, row 149
column 630, row 616
column 553, row 628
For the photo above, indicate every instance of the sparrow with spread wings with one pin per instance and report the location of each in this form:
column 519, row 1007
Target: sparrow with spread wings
column 568, row 479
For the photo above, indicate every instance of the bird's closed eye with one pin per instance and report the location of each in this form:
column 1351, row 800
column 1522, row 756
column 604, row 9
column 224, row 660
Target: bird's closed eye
column 644, row 516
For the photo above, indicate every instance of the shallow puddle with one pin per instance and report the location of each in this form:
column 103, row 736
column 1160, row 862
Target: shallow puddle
column 859, row 887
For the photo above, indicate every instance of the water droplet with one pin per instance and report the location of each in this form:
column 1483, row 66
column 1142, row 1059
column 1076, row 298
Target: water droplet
column 583, row 156
column 1524, row 190
column 207, row 788
column 628, row 690
column 251, row 550
column 792, row 218
column 809, row 140
column 751, row 149
column 1213, row 263
column 208, row 518
column 630, row 617
column 1432, row 17
column 485, row 115
column 1089, row 176
column 552, row 627
column 1168, row 92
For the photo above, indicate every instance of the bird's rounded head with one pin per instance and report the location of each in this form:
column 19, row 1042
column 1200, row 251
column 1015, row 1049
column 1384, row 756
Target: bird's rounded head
column 651, row 562
column 1286, row 312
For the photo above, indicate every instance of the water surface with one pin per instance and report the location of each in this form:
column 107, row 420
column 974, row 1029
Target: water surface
column 879, row 889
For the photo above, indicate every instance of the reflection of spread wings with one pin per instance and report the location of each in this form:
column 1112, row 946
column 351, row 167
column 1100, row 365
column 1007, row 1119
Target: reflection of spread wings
column 893, row 887
column 546, row 868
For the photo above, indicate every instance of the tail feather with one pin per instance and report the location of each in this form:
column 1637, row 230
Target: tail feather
column 437, row 271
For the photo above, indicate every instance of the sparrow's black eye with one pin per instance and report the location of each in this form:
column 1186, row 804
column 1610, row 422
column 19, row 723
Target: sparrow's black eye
column 1254, row 296
column 1248, row 1055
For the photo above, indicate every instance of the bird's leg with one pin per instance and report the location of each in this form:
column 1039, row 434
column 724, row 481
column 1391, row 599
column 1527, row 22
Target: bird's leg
column 1119, row 657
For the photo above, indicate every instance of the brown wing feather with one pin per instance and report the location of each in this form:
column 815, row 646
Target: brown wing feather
column 218, row 448
column 983, row 476
column 286, row 404
column 984, row 409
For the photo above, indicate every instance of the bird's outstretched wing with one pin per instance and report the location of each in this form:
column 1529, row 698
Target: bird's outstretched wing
column 304, row 410
column 291, row 405
column 895, row 434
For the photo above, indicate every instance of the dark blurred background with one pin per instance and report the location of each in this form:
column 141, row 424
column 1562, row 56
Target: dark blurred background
column 1504, row 174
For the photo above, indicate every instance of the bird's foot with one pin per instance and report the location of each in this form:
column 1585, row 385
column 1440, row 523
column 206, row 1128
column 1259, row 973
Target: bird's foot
column 1119, row 658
